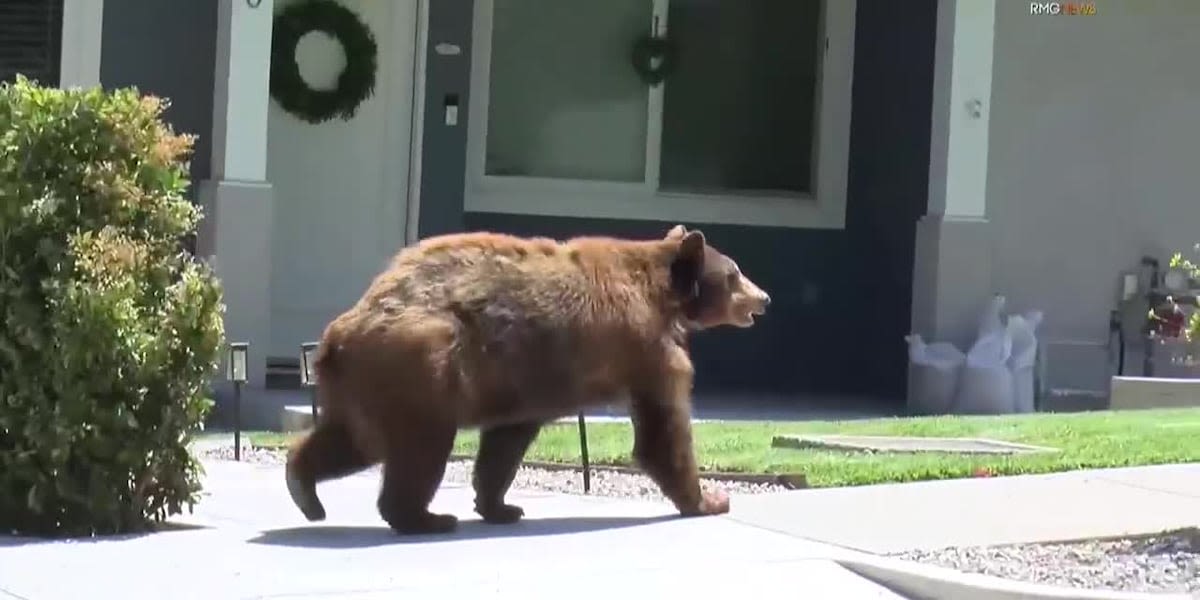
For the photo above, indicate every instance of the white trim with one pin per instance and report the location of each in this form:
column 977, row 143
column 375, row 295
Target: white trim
column 241, row 94
column 574, row 198
column 417, row 143
column 962, row 91
column 659, row 11
column 82, row 29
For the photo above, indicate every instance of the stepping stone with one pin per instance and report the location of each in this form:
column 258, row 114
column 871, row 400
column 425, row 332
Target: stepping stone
column 881, row 443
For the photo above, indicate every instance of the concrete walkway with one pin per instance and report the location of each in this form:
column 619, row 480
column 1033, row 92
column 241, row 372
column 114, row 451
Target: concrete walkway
column 976, row 512
column 248, row 541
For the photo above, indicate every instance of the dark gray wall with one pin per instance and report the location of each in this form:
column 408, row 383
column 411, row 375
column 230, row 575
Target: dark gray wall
column 841, row 299
column 166, row 48
column 888, row 187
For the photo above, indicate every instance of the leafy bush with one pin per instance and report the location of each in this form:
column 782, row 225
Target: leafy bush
column 111, row 331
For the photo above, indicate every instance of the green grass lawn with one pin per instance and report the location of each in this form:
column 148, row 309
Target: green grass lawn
column 1086, row 440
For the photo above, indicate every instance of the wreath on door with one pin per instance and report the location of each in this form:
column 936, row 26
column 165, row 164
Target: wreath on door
column 356, row 82
column 654, row 58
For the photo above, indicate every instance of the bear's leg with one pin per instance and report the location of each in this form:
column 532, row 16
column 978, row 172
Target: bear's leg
column 328, row 452
column 501, row 449
column 662, row 446
column 412, row 471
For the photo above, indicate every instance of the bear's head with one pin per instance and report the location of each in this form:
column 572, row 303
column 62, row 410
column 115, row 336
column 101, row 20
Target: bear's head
column 714, row 291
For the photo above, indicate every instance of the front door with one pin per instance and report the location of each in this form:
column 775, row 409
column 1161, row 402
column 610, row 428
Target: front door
column 340, row 187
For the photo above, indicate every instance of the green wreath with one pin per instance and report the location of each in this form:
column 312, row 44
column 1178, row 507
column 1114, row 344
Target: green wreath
column 646, row 50
column 355, row 83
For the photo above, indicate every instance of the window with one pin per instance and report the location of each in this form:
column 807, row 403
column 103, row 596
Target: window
column 751, row 127
column 30, row 40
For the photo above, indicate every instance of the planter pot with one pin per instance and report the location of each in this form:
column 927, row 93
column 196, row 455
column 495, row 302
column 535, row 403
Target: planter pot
column 1175, row 358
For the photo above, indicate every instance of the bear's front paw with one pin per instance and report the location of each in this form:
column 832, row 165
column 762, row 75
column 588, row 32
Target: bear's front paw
column 715, row 502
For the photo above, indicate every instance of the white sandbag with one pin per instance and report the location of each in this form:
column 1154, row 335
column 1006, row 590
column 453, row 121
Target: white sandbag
column 992, row 319
column 1022, row 329
column 986, row 386
column 933, row 373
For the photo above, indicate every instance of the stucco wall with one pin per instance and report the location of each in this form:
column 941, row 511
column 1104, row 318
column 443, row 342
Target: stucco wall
column 1093, row 162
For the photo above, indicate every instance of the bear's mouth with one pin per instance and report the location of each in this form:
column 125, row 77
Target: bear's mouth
column 750, row 313
column 748, row 318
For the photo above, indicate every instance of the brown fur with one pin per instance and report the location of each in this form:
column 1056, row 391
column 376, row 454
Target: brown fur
column 505, row 334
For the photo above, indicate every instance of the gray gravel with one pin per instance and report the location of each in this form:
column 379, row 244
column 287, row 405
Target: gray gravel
column 1167, row 562
column 604, row 483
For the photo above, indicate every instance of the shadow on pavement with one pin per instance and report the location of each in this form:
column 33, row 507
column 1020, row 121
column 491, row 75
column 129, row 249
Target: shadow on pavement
column 321, row 536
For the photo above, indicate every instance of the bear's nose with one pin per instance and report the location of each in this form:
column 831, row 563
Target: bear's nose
column 766, row 300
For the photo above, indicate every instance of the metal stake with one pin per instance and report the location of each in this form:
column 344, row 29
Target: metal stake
column 583, row 452
column 312, row 396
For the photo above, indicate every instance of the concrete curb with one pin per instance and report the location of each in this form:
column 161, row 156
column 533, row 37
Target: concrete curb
column 928, row 582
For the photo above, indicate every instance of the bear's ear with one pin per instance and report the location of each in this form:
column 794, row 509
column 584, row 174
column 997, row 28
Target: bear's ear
column 692, row 243
column 676, row 233
column 688, row 265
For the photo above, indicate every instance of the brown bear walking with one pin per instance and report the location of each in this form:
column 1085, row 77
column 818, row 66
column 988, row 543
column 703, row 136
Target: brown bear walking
column 506, row 334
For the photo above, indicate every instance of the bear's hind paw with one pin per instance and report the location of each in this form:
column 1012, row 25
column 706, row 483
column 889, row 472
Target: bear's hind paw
column 502, row 514
column 305, row 498
column 427, row 523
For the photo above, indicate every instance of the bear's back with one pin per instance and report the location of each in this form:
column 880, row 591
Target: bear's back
column 535, row 320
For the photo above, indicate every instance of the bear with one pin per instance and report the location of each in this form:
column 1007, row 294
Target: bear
column 505, row 334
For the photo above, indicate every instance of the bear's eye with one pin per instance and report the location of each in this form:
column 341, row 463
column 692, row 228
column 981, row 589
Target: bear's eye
column 731, row 279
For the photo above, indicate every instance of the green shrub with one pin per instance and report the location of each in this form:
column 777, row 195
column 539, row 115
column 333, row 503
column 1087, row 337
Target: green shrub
column 111, row 331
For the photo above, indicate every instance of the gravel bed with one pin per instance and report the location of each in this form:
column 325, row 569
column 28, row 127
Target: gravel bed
column 604, row 482
column 1165, row 562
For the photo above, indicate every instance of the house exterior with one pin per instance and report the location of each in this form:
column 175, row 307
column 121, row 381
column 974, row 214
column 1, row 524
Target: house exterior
column 879, row 167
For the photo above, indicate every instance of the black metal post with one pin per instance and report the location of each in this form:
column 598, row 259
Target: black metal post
column 307, row 351
column 237, row 420
column 583, row 453
column 1148, row 356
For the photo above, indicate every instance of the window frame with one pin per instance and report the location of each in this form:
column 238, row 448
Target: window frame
column 541, row 196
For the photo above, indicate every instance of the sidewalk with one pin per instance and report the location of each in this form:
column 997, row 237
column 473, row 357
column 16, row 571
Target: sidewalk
column 249, row 541
column 973, row 512
column 246, row 540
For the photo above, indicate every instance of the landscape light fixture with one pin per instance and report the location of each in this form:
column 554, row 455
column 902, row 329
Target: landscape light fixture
column 235, row 372
column 308, row 379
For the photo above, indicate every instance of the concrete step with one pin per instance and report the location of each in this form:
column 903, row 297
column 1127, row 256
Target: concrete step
column 296, row 417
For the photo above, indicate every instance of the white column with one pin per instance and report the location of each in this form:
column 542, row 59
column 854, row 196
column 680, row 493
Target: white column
column 952, row 271
column 241, row 88
column 961, row 107
column 237, row 199
column 82, row 26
